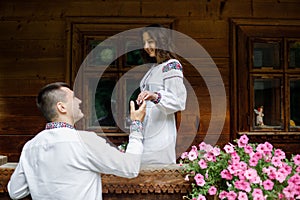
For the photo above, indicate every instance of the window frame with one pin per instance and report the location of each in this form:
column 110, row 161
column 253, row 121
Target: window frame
column 242, row 32
column 79, row 30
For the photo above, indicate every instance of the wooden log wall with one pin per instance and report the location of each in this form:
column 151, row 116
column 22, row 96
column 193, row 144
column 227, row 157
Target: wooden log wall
column 33, row 50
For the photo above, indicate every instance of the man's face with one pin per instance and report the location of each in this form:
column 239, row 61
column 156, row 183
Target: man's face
column 73, row 105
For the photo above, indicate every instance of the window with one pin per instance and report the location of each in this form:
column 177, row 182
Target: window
column 102, row 82
column 266, row 77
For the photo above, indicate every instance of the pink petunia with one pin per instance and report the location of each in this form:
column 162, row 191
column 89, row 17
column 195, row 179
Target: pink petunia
column 228, row 149
column 257, row 194
column 201, row 197
column 193, row 155
column 296, row 159
column 231, row 195
column 199, row 178
column 251, row 174
column 253, row 161
column 202, row 146
column 225, row 174
column 202, row 163
column 276, row 161
column 184, row 155
column 212, row 190
column 223, row 195
column 242, row 185
column 242, row 196
column 268, row 184
column 279, row 153
column 248, row 149
column 243, row 141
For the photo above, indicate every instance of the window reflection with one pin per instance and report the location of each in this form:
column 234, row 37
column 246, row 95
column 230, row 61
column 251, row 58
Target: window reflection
column 267, row 104
column 104, row 104
column 295, row 105
column 266, row 55
column 294, row 54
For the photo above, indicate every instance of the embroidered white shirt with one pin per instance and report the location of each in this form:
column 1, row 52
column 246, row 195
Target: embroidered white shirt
column 64, row 163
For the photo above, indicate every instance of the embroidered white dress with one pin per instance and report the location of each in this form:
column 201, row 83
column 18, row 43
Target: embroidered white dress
column 159, row 125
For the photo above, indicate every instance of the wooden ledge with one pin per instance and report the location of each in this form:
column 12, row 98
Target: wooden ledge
column 164, row 180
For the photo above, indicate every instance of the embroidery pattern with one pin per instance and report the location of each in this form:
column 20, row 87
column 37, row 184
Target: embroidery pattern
column 53, row 125
column 172, row 65
column 136, row 126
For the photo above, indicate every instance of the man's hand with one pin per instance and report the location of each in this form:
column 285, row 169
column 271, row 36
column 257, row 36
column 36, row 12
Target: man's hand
column 137, row 114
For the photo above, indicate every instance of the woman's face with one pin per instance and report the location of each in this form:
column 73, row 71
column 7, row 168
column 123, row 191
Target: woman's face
column 149, row 44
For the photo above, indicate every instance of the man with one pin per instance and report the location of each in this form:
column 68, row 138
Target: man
column 63, row 163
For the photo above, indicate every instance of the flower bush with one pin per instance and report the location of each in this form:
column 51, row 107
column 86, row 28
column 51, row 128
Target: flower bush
column 241, row 171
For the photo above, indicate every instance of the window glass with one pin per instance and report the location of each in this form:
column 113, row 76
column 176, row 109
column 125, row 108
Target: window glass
column 295, row 105
column 294, row 54
column 266, row 55
column 267, row 103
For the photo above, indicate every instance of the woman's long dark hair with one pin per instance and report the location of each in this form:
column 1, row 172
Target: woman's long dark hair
column 163, row 40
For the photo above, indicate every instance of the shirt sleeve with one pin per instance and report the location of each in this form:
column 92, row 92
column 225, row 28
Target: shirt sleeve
column 106, row 159
column 17, row 185
column 173, row 96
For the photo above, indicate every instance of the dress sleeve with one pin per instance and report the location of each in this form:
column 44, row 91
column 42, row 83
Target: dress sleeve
column 106, row 159
column 173, row 96
column 17, row 185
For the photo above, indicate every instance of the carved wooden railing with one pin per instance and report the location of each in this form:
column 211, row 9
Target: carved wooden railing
column 153, row 182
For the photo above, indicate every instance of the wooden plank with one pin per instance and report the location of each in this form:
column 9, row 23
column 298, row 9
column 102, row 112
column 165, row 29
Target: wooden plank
column 29, row 86
column 32, row 48
column 195, row 28
column 216, row 48
column 35, row 68
column 276, row 9
column 11, row 146
column 27, row 30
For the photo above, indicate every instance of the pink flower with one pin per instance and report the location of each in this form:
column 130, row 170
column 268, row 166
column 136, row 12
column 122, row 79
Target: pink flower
column 223, row 195
column 212, row 190
column 276, row 161
column 251, row 174
column 289, row 192
column 248, row 149
column 201, row 197
column 202, row 146
column 253, row 161
column 257, row 194
column 199, row 178
column 296, row 159
column 226, row 175
column 202, row 164
column 235, row 157
column 210, row 156
column 243, row 141
column 193, row 155
column 228, row 149
column 242, row 185
column 279, row 153
column 184, row 155
column 216, row 151
column 268, row 184
column 231, row 195
column 242, row 196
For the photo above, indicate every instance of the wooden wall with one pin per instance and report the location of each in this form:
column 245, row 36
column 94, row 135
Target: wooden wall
column 33, row 49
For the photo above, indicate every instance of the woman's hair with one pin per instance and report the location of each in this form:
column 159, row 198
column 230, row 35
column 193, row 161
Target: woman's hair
column 163, row 40
column 48, row 98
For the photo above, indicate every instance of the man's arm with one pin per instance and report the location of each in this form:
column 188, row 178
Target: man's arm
column 106, row 159
column 17, row 185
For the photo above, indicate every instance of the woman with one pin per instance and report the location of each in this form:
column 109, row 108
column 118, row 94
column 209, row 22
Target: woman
column 163, row 89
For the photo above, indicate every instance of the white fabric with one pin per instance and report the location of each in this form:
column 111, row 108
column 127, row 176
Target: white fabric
column 64, row 164
column 160, row 125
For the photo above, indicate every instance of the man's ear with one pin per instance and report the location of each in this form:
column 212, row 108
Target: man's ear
column 61, row 107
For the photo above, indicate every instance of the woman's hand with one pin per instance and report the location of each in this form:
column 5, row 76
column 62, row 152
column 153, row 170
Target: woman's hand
column 146, row 95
